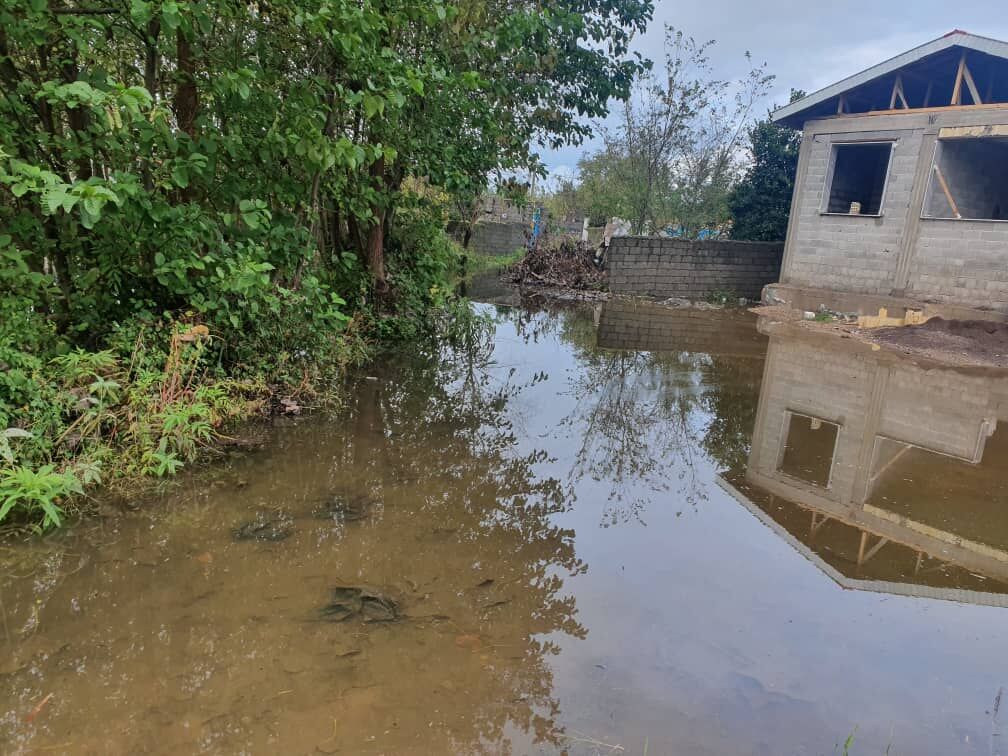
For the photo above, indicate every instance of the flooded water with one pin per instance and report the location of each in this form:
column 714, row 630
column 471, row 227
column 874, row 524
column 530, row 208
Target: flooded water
column 612, row 529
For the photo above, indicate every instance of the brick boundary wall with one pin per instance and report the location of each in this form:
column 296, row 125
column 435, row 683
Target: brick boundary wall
column 661, row 267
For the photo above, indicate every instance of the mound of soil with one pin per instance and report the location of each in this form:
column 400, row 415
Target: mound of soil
column 962, row 342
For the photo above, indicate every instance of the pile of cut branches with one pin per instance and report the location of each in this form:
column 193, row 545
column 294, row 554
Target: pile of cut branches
column 564, row 263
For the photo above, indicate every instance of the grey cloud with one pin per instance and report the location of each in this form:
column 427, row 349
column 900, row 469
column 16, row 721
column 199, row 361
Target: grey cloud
column 807, row 45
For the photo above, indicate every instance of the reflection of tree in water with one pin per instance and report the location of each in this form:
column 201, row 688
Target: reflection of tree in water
column 635, row 415
column 457, row 507
column 644, row 419
column 439, row 423
column 731, row 398
column 433, row 439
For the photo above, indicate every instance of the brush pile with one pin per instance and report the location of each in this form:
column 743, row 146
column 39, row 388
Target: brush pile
column 562, row 263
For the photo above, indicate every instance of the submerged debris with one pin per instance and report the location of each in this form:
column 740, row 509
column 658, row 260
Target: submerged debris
column 344, row 507
column 265, row 527
column 566, row 264
column 357, row 602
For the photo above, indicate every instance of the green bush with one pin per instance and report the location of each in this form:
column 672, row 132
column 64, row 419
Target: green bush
column 423, row 283
column 36, row 495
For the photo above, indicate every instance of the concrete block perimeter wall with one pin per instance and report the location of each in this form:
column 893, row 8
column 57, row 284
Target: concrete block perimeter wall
column 493, row 238
column 661, row 267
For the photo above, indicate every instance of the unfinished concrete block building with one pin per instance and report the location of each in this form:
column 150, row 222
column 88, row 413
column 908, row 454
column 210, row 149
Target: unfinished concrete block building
column 901, row 194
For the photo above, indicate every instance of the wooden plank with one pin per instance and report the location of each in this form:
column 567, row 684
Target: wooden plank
column 817, row 525
column 875, row 549
column 972, row 86
column 897, row 93
column 918, row 111
column 973, row 132
column 957, row 89
column 948, row 194
column 895, row 458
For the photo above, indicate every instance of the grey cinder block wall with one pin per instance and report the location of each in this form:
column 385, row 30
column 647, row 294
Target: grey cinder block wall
column 900, row 253
column 662, row 267
column 493, row 238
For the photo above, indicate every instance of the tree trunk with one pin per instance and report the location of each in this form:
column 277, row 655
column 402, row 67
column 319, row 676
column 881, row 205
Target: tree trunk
column 151, row 56
column 60, row 273
column 186, row 94
column 77, row 118
column 337, row 229
column 150, row 83
column 376, row 251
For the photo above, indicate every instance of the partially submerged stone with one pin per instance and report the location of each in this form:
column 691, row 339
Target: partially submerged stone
column 265, row 527
column 344, row 507
column 357, row 602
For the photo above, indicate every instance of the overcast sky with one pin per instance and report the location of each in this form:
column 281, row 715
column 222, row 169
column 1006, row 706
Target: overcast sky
column 806, row 45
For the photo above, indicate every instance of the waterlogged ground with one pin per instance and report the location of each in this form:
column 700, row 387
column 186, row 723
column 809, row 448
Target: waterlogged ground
column 618, row 529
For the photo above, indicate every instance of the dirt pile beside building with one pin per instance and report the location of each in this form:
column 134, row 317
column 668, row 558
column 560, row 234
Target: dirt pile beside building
column 961, row 342
column 956, row 343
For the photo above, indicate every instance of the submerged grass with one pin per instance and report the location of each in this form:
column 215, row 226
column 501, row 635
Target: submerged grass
column 101, row 419
column 477, row 263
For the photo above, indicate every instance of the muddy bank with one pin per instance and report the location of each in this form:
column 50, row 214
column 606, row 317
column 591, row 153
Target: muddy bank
column 956, row 343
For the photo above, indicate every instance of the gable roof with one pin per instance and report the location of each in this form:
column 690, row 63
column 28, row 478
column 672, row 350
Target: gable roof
column 811, row 106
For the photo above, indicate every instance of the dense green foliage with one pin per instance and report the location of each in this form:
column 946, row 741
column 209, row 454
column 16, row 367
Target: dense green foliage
column 761, row 202
column 199, row 200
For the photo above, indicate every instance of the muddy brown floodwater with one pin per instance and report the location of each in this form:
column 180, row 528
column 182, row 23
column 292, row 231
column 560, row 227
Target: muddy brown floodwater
column 613, row 529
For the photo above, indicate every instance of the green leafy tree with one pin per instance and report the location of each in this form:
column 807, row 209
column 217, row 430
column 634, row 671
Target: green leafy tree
column 272, row 172
column 172, row 153
column 761, row 202
column 673, row 159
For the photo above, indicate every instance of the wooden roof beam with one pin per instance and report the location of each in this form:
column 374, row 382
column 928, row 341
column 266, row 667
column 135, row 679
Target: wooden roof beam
column 963, row 75
column 897, row 92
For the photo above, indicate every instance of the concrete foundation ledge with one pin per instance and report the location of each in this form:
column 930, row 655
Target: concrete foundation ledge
column 810, row 299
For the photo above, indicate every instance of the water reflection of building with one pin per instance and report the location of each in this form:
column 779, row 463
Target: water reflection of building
column 888, row 475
